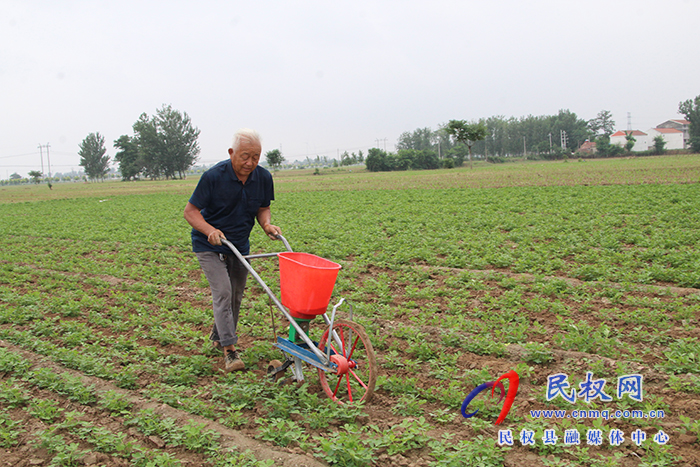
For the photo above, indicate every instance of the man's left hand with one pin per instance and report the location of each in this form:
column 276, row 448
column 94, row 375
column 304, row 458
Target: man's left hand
column 272, row 231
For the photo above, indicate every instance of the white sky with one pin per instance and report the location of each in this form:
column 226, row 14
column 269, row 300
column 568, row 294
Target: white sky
column 318, row 77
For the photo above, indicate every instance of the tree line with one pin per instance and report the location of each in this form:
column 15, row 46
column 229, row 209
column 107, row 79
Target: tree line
column 497, row 138
column 165, row 145
column 162, row 146
column 493, row 138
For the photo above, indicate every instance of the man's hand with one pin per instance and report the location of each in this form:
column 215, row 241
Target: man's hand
column 215, row 237
column 196, row 220
column 264, row 218
column 272, row 231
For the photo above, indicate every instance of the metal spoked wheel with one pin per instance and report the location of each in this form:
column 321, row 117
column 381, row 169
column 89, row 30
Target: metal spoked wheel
column 354, row 354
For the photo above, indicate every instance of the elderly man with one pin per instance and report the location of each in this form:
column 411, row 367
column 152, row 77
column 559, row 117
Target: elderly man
column 227, row 200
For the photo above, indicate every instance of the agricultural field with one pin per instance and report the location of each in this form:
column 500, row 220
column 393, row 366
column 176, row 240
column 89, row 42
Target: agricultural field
column 583, row 272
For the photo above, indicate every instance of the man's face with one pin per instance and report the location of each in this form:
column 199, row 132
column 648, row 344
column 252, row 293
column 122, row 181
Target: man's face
column 245, row 159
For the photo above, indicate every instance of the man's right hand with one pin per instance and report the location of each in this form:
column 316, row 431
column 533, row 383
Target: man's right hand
column 215, row 237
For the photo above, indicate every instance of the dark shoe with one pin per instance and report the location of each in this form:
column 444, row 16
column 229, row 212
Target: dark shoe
column 215, row 343
column 232, row 361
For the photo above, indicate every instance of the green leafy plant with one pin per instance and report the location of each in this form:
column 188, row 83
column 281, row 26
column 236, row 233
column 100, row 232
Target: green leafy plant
column 534, row 352
column 13, row 394
column 683, row 356
column 44, row 409
column 689, row 383
column 282, row 432
column 10, row 431
column 114, row 402
column 690, row 425
column 235, row 417
column 409, row 405
column 232, row 458
column 345, row 448
column 64, row 384
column 197, row 438
column 479, row 452
column 409, row 434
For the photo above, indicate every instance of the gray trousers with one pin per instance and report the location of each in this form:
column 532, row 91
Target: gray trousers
column 227, row 278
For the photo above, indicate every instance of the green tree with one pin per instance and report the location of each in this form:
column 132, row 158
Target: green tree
column 576, row 129
column 630, row 141
column 377, row 161
column 92, row 156
column 274, row 158
column 605, row 149
column 35, row 176
column 149, row 146
column 15, row 176
column 659, row 145
column 345, row 159
column 421, row 139
column 603, row 123
column 128, row 158
column 466, row 133
column 166, row 143
column 691, row 110
column 179, row 141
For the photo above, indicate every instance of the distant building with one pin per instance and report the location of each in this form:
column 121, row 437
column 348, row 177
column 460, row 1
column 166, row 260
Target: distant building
column 674, row 132
column 673, row 137
column 641, row 142
column 588, row 147
column 678, row 124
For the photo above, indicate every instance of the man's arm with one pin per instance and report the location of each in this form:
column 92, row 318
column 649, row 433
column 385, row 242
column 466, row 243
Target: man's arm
column 264, row 217
column 196, row 220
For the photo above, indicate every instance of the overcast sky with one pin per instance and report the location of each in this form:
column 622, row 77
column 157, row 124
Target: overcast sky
column 318, row 77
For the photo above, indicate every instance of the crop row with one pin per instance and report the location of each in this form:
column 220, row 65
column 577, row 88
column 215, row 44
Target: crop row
column 455, row 287
column 443, row 313
column 613, row 233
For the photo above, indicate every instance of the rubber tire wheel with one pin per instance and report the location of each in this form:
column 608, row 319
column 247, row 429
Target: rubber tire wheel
column 361, row 351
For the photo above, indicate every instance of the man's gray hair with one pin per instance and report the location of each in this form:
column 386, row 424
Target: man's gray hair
column 245, row 133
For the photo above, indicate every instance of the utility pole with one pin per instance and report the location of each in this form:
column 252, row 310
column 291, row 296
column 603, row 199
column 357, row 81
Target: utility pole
column 562, row 134
column 550, row 142
column 524, row 148
column 42, row 159
column 48, row 160
column 378, row 140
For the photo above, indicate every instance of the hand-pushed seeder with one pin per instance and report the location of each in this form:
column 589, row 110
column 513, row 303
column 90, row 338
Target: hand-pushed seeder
column 343, row 357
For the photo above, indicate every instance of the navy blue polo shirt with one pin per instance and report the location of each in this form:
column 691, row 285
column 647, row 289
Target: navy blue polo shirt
column 229, row 205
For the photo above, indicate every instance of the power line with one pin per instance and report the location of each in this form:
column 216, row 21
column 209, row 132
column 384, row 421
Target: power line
column 29, row 165
column 19, row 155
column 378, row 140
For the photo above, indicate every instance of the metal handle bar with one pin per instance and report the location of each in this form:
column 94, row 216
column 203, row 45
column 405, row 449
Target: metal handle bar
column 284, row 240
column 270, row 255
